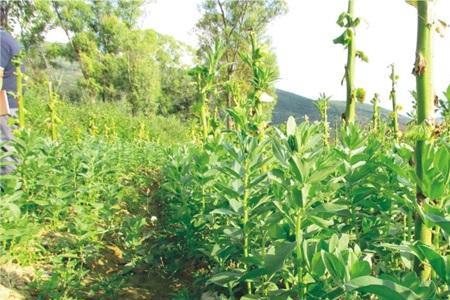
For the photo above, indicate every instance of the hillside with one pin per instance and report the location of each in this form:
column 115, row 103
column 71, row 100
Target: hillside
column 67, row 74
column 292, row 104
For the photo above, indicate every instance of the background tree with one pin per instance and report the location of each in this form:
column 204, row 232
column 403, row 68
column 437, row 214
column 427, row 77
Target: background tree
column 99, row 33
column 139, row 73
column 117, row 60
column 30, row 18
column 177, row 92
column 231, row 22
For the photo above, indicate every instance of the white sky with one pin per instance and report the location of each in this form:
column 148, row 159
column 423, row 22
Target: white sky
column 310, row 63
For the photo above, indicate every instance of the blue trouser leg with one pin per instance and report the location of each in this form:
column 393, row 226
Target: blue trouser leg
column 7, row 162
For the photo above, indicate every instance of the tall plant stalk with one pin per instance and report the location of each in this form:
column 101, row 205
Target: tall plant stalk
column 376, row 113
column 299, row 251
column 204, row 115
column 53, row 120
column 347, row 39
column 350, row 106
column 393, row 97
column 423, row 72
column 245, row 222
column 322, row 105
column 205, row 77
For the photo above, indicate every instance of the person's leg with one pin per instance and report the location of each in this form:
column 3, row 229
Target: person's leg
column 6, row 135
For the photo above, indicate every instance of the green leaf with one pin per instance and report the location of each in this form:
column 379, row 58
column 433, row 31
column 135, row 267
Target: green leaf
column 436, row 261
column 276, row 256
column 447, row 264
column 228, row 191
column 233, row 233
column 295, row 199
column 343, row 242
column 253, row 274
column 412, row 2
column 223, row 211
column 294, row 163
column 360, row 268
column 13, row 209
column 447, row 93
column 276, row 175
column 361, row 55
column 286, row 215
column 344, row 38
column 257, row 181
column 435, row 216
column 327, row 208
column 225, row 279
column 317, row 266
column 437, row 189
column 235, row 205
column 407, row 259
column 279, row 154
column 419, row 132
column 230, row 150
column 230, row 172
column 292, row 143
column 343, row 19
column 385, row 289
column 249, row 297
column 323, row 223
column 333, row 244
column 334, row 266
column 321, row 174
column 234, row 114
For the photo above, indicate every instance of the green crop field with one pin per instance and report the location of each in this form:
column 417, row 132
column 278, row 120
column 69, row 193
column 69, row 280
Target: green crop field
column 137, row 175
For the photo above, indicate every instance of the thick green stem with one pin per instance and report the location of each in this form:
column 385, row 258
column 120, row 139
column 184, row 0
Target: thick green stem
column 264, row 253
column 350, row 107
column 423, row 234
column 405, row 226
column 423, row 73
column 298, row 251
column 204, row 117
column 410, row 224
column 437, row 239
column 376, row 114
column 326, row 128
column 53, row 116
column 336, row 133
column 245, row 219
column 393, row 97
column 203, row 197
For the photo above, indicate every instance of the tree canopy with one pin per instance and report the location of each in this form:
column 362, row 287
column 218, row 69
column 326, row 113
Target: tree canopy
column 232, row 22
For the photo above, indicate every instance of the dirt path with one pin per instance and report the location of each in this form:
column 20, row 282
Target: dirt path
column 109, row 275
column 141, row 283
column 145, row 282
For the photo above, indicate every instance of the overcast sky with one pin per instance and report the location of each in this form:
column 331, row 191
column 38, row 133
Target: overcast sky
column 310, row 63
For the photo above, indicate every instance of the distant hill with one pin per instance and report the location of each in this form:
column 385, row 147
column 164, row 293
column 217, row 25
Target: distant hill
column 290, row 104
column 66, row 75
